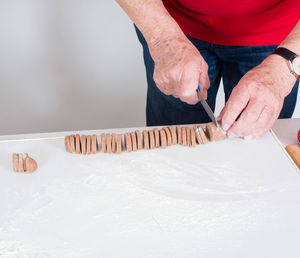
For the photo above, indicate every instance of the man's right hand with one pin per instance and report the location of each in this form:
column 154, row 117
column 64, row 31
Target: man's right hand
column 179, row 68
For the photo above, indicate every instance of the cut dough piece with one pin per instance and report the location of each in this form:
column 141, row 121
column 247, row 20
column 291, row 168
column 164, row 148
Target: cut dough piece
column 169, row 137
column 30, row 164
column 214, row 133
column 83, row 144
column 113, row 143
column 198, row 137
column 188, row 136
column 156, row 137
column 173, row 133
column 108, row 143
column 88, row 145
column 72, row 143
column 163, row 138
column 67, row 143
column 202, row 134
column 151, row 140
column 16, row 162
column 294, row 152
column 94, row 148
column 133, row 141
column 77, row 144
column 139, row 140
column 193, row 137
column 146, row 139
column 21, row 163
column 119, row 144
column 128, row 142
column 183, row 135
column 103, row 142
column 179, row 138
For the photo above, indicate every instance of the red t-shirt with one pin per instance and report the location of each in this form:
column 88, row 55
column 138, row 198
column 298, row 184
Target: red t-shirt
column 236, row 22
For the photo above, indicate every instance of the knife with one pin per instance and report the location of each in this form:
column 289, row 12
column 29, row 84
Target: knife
column 207, row 108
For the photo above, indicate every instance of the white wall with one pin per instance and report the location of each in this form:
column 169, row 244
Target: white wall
column 69, row 65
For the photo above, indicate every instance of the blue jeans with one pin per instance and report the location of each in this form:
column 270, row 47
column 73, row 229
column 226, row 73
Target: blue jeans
column 227, row 62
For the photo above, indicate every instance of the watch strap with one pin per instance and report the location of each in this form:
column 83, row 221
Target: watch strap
column 285, row 53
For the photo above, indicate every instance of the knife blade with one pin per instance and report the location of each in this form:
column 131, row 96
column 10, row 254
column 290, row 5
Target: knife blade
column 206, row 107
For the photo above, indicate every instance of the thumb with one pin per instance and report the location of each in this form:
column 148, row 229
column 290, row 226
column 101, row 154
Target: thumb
column 204, row 82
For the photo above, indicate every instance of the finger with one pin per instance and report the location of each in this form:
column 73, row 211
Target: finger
column 264, row 123
column 204, row 81
column 248, row 117
column 237, row 102
column 220, row 116
column 188, row 83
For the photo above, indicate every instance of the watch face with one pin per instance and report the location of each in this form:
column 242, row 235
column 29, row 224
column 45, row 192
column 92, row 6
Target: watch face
column 296, row 65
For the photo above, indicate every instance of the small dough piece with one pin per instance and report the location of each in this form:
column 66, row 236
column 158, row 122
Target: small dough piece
column 77, row 144
column 198, row 137
column 169, row 137
column 163, row 138
column 156, row 137
column 119, row 144
column 103, row 142
column 72, row 143
column 67, row 143
column 179, row 137
column 294, row 152
column 21, row 163
column 139, row 140
column 202, row 135
column 188, row 136
column 94, row 148
column 108, row 143
column 128, row 142
column 214, row 133
column 30, row 164
column 183, row 135
column 151, row 140
column 133, row 141
column 16, row 162
column 193, row 137
column 83, row 144
column 173, row 133
column 113, row 143
column 88, row 145
column 146, row 139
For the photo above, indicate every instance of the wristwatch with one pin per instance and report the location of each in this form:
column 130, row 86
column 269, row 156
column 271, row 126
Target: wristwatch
column 292, row 58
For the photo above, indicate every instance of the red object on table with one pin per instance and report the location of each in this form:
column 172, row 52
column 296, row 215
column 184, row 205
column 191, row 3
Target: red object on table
column 299, row 135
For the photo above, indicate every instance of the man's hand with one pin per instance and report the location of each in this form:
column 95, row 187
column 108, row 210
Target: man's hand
column 179, row 68
column 258, row 99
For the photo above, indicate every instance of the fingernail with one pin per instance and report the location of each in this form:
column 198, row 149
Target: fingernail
column 231, row 135
column 249, row 137
column 225, row 127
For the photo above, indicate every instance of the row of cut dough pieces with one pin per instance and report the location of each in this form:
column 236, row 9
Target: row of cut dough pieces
column 133, row 141
column 149, row 139
column 84, row 144
column 166, row 136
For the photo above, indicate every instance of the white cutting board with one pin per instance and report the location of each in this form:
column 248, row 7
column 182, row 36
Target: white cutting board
column 233, row 198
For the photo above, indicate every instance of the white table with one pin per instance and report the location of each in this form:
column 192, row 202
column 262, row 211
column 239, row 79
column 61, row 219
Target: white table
column 232, row 198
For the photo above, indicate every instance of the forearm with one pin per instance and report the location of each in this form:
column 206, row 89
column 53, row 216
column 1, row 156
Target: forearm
column 291, row 42
column 152, row 19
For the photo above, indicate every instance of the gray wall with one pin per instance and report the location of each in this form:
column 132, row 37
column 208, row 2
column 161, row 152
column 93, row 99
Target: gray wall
column 69, row 65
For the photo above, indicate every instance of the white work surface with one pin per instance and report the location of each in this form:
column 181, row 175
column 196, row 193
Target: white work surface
column 232, row 198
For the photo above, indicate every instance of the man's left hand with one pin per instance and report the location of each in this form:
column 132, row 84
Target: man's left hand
column 257, row 99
